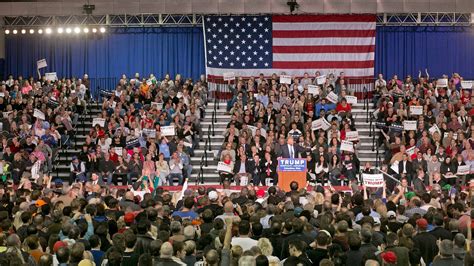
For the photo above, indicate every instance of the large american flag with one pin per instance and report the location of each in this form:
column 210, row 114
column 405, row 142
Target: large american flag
column 294, row 45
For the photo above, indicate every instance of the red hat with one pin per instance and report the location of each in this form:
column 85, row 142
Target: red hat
column 389, row 257
column 422, row 223
column 57, row 245
column 260, row 193
column 129, row 217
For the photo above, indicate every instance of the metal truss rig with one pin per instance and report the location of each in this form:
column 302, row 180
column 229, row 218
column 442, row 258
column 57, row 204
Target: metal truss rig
column 153, row 20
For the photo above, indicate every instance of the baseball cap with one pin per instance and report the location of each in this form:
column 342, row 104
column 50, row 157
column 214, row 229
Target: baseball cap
column 57, row 245
column 391, row 215
column 260, row 193
column 213, row 195
column 129, row 218
column 40, row 203
column 422, row 223
column 389, row 257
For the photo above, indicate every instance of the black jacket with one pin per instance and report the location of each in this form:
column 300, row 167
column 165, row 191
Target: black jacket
column 426, row 243
column 143, row 243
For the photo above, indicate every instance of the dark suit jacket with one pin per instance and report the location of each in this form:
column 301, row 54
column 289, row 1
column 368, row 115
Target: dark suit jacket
column 249, row 166
column 285, row 152
column 419, row 185
column 409, row 168
column 422, row 163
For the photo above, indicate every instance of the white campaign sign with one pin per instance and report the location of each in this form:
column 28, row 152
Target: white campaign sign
column 118, row 150
column 446, row 134
column 394, row 167
column 409, row 125
column 149, row 132
column 313, row 89
column 38, row 114
column 229, row 76
column 463, row 170
column 347, row 146
column 441, row 83
column 467, row 84
column 157, row 106
column 321, row 79
column 410, row 151
column 351, row 99
column 223, row 167
column 332, row 97
column 41, row 63
column 317, row 124
column 434, row 129
column 51, row 76
column 373, row 180
column 325, row 124
column 416, row 110
column 98, row 121
column 285, row 79
column 352, row 135
column 167, row 131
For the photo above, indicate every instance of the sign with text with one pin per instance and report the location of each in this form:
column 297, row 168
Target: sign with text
column 416, row 110
column 51, row 76
column 317, row 124
column 157, row 106
column 409, row 125
column 229, row 76
column 347, row 146
column 467, row 84
column 434, row 129
column 375, row 180
column 118, row 150
column 98, row 121
column 463, row 170
column 41, row 63
column 284, row 79
column 352, row 135
column 442, row 83
column 149, row 132
column 38, row 114
column 332, row 97
column 321, row 79
column 410, row 151
column 351, row 99
column 167, row 131
column 292, row 165
column 223, row 167
column 313, row 89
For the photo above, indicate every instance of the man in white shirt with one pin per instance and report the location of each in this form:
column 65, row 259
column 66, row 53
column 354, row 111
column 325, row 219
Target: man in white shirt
column 244, row 239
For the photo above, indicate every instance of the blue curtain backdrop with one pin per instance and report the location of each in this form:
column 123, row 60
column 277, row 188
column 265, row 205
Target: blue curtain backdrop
column 119, row 51
column 406, row 50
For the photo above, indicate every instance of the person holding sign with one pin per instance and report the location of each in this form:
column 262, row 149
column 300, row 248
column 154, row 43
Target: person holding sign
column 226, row 174
column 343, row 108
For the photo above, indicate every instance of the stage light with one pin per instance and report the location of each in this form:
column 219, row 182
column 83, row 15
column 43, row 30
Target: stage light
column 48, row 30
column 7, row 31
column 23, row 31
column 77, row 30
column 32, row 31
column 15, row 31
column 40, row 31
column 94, row 30
column 60, row 30
column 68, row 30
column 102, row 29
column 86, row 30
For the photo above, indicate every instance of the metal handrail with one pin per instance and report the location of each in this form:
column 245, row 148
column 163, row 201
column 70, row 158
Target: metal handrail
column 214, row 121
column 371, row 130
column 209, row 137
column 205, row 152
column 373, row 139
column 366, row 104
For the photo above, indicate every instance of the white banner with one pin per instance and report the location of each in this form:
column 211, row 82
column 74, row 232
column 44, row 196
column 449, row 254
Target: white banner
column 313, row 89
column 410, row 151
column 332, row 97
column 416, row 110
column 434, row 129
column 98, row 121
column 442, row 83
column 352, row 135
column 351, row 99
column 157, row 106
column 118, row 150
column 463, row 170
column 38, row 114
column 149, row 132
column 285, row 79
column 167, row 131
column 41, row 63
column 409, row 125
column 467, row 84
column 229, row 76
column 446, row 134
column 321, row 79
column 373, row 180
column 317, row 124
column 223, row 167
column 394, row 167
column 149, row 82
column 347, row 146
column 51, row 76
column 325, row 124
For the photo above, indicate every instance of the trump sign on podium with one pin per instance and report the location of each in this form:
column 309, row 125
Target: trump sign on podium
column 291, row 169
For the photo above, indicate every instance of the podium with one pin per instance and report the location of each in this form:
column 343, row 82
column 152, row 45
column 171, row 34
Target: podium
column 289, row 170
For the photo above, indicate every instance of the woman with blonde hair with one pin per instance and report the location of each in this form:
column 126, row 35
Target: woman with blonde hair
column 267, row 250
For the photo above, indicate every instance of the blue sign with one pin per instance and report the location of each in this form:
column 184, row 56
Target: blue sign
column 291, row 165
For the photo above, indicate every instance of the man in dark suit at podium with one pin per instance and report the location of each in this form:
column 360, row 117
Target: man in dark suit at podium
column 290, row 149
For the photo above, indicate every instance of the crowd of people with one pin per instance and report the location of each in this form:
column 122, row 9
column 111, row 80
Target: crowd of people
column 147, row 132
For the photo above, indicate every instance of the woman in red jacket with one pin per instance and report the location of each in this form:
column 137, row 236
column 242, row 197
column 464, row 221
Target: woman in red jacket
column 343, row 106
